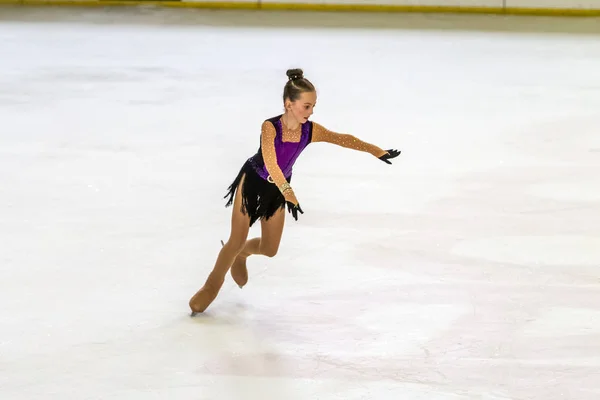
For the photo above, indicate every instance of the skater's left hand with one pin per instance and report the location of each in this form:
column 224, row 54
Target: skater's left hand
column 389, row 154
column 294, row 208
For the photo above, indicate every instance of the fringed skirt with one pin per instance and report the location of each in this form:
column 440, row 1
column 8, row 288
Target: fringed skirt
column 261, row 199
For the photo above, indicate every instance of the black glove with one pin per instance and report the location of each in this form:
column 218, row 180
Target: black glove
column 390, row 154
column 294, row 208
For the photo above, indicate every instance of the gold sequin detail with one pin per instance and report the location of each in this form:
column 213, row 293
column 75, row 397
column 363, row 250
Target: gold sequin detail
column 290, row 135
column 268, row 134
column 322, row 134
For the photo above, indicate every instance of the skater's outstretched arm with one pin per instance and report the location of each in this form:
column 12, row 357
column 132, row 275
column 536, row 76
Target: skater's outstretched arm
column 322, row 134
column 270, row 157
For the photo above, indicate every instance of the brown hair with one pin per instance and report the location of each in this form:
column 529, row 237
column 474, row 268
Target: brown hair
column 296, row 85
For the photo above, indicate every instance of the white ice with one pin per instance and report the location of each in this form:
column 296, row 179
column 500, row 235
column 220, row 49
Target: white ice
column 468, row 269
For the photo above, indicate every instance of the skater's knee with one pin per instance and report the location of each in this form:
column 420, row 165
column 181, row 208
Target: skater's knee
column 269, row 251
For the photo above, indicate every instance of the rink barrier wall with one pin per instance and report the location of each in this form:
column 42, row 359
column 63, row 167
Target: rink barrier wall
column 505, row 7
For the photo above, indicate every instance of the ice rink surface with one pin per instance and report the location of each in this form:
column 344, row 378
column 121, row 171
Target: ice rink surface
column 469, row 269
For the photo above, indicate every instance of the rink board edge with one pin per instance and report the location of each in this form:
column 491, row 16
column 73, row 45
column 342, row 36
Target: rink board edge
column 590, row 12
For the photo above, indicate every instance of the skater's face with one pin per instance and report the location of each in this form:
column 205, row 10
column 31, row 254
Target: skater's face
column 302, row 108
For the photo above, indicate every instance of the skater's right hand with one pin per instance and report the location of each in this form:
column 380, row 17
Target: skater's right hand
column 294, row 209
column 292, row 203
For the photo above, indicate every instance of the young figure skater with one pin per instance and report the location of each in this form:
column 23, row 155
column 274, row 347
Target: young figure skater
column 262, row 188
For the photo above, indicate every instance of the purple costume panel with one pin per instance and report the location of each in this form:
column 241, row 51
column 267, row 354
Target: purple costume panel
column 287, row 152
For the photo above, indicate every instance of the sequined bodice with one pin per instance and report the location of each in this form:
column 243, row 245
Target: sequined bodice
column 286, row 152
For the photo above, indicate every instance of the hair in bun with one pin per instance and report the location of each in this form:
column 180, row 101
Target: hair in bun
column 296, row 85
column 294, row 74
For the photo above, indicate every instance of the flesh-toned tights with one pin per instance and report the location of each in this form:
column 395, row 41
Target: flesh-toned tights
column 237, row 249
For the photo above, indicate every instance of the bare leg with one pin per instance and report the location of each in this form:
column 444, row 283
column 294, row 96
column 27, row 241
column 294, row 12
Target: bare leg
column 266, row 245
column 239, row 233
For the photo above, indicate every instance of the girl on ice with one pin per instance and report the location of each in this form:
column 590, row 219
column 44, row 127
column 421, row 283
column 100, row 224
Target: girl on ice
column 262, row 188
